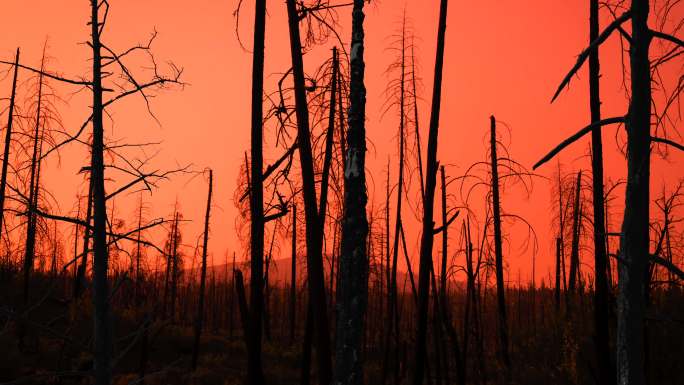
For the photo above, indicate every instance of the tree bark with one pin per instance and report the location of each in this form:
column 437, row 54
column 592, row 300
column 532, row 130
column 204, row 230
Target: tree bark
column 353, row 283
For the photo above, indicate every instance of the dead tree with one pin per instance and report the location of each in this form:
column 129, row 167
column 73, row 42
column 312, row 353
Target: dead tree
column 8, row 141
column 634, row 242
column 502, row 322
column 353, row 283
column 34, row 183
column 427, row 237
column 314, row 233
column 601, row 329
column 254, row 366
column 203, row 277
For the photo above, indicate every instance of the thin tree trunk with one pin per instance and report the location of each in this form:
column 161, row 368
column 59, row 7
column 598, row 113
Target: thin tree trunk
column 574, row 253
column 8, row 141
column 314, row 233
column 353, row 284
column 601, row 331
column 293, row 277
column 29, row 249
column 203, row 278
column 634, row 241
column 500, row 283
column 557, row 290
column 427, row 238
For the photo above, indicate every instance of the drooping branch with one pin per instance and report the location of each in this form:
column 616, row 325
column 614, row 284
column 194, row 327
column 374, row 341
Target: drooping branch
column 576, row 137
column 668, row 37
column 584, row 55
column 668, row 142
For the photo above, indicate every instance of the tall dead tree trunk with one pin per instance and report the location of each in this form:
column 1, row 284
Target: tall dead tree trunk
column 498, row 250
column 8, row 141
column 29, row 248
column 203, row 278
column 601, row 330
column 256, row 298
column 102, row 335
column 314, row 233
column 634, row 240
column 427, row 237
column 353, row 283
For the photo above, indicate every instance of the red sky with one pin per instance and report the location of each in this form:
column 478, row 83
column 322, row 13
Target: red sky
column 503, row 57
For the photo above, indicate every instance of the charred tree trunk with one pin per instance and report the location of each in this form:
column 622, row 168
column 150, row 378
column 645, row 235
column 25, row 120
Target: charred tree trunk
column 498, row 250
column 256, row 298
column 314, row 233
column 8, row 141
column 203, row 278
column 102, row 335
column 634, row 241
column 427, row 237
column 601, row 330
column 353, row 284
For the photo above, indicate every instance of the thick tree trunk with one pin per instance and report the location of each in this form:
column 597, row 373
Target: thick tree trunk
column 353, row 284
column 634, row 240
column 102, row 335
column 314, row 232
column 203, row 278
column 502, row 325
column 427, row 237
column 601, row 330
column 256, row 298
column 8, row 141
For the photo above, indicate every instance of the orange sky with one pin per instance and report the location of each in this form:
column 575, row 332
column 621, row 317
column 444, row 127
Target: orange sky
column 503, row 57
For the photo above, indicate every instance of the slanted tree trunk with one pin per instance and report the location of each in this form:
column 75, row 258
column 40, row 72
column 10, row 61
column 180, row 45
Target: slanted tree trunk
column 502, row 322
column 634, row 240
column 601, row 331
column 203, row 278
column 353, row 283
column 427, row 238
column 314, row 233
column 8, row 141
column 102, row 334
